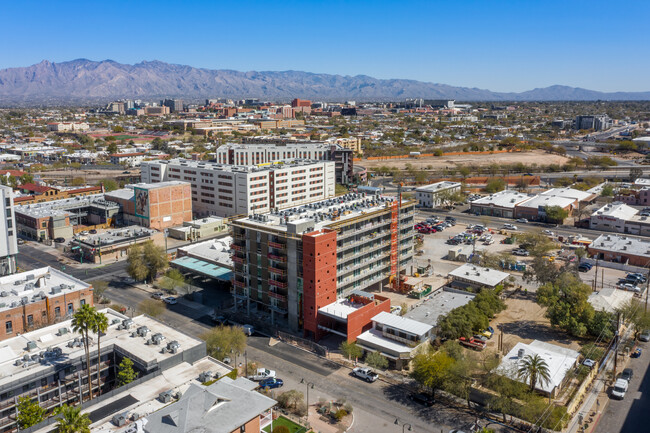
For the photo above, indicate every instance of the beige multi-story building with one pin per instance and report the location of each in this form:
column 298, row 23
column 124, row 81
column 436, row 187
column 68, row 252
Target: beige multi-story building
column 352, row 143
column 228, row 190
column 67, row 126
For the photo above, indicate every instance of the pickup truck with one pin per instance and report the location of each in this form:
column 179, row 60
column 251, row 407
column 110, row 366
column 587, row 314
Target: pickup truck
column 365, row 373
column 261, row 374
column 472, row 343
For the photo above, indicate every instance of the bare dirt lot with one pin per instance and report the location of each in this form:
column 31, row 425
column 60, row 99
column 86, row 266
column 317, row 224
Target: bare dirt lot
column 437, row 162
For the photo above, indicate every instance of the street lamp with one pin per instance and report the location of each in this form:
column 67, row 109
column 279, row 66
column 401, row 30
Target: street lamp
column 309, row 384
column 404, row 425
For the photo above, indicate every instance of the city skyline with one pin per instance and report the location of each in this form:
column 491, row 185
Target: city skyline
column 504, row 46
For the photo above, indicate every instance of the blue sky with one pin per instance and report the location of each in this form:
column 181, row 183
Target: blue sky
column 498, row 45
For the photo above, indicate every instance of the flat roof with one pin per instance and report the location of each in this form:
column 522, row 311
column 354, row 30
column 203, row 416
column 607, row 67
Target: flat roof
column 609, row 299
column 240, row 168
column 558, row 359
column 115, row 236
column 374, row 339
column 438, row 186
column 33, row 286
column 438, row 304
column 202, row 267
column 569, row 193
column 479, row 275
column 320, row 214
column 215, row 251
column 59, row 207
column 547, row 200
column 616, row 210
column 341, row 309
column 622, row 244
column 48, row 338
column 505, row 199
column 402, row 323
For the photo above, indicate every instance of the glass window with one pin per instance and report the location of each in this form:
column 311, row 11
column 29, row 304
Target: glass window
column 30, row 320
column 57, row 312
column 9, row 327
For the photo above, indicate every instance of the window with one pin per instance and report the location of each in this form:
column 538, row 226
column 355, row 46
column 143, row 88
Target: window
column 70, row 308
column 57, row 312
column 44, row 224
column 9, row 328
column 30, row 320
column 83, row 302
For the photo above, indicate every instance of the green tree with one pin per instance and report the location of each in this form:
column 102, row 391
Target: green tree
column 29, row 413
column 99, row 327
column 26, row 178
column 464, row 172
column 340, row 189
column 172, row 280
column 109, row 184
column 495, row 184
column 82, row 323
column 125, row 372
column 145, row 261
column 111, row 148
column 221, row 341
column 537, row 244
column 431, row 370
column 541, row 270
column 567, row 305
column 71, row 420
column 290, row 399
column 555, row 214
column 118, row 129
column 99, row 288
column 151, row 307
column 78, row 181
column 534, row 369
column 607, row 191
column 351, row 350
column 376, row 360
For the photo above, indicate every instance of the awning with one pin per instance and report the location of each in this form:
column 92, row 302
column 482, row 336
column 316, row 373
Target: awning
column 201, row 267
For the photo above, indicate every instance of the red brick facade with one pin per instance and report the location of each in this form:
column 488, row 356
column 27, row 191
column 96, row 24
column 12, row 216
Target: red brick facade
column 319, row 276
column 361, row 320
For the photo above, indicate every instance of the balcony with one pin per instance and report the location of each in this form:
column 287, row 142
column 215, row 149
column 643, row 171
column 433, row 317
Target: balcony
column 278, row 296
column 277, row 258
column 278, row 245
column 277, row 283
column 237, row 283
column 237, row 260
column 277, row 271
column 237, row 248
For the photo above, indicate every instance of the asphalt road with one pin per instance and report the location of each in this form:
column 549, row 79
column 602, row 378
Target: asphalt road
column 629, row 415
column 377, row 405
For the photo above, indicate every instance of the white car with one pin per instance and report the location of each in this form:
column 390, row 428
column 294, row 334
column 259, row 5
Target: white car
column 365, row 373
column 620, row 388
column 548, row 233
column 645, row 335
column 510, row 227
column 521, row 220
column 171, row 300
column 261, row 374
column 629, row 287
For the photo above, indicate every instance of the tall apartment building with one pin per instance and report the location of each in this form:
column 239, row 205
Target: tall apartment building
column 228, row 190
column 265, row 152
column 300, row 103
column 600, row 122
column 175, row 105
column 8, row 242
column 291, row 263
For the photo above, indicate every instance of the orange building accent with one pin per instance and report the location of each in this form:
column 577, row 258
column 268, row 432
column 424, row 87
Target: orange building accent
column 319, row 276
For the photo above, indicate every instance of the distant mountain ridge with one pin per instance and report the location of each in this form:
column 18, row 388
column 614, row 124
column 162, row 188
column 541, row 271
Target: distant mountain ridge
column 82, row 80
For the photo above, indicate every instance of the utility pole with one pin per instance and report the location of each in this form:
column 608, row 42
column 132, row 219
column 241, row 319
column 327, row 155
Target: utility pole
column 616, row 339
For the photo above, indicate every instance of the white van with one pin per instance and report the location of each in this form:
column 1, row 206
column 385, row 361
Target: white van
column 620, row 388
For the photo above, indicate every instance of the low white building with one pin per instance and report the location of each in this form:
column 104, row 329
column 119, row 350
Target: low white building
column 433, row 195
column 128, row 159
column 474, row 276
column 397, row 338
column 612, row 217
column 560, row 360
column 501, row 204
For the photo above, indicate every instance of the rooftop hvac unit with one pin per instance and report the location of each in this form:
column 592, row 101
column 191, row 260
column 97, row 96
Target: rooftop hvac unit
column 143, row 331
column 521, row 353
column 62, row 331
column 173, row 346
column 206, row 376
column 165, row 397
column 120, row 419
column 29, row 277
column 31, row 345
column 127, row 323
column 157, row 338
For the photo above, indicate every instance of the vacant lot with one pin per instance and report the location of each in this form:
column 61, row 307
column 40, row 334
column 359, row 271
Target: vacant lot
column 440, row 162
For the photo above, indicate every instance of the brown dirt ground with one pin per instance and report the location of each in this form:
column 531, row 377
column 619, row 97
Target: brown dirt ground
column 523, row 321
column 536, row 156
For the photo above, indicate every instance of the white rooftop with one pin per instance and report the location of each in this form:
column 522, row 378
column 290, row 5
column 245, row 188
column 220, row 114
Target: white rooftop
column 569, row 193
column 438, row 186
column 609, row 299
column 616, row 210
column 33, row 286
column 340, row 309
column 373, row 339
column 215, row 251
column 559, row 360
column 626, row 244
column 402, row 323
column 504, row 199
column 320, row 214
column 548, row 200
column 479, row 275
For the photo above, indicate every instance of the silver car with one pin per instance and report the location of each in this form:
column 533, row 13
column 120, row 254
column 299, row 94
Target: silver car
column 645, row 335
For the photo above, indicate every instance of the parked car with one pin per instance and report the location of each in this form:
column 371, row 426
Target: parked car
column 548, row 233
column 520, row 252
column 629, row 287
column 637, row 353
column 423, row 398
column 584, row 267
column 20, row 241
column 171, row 300
column 158, row 295
column 620, row 388
column 636, row 277
column 262, row 374
column 365, row 373
column 59, row 240
column 509, row 227
column 93, row 232
column 645, row 335
column 488, row 332
column 627, row 374
column 271, row 383
column 589, row 363
column 521, row 220
column 248, row 330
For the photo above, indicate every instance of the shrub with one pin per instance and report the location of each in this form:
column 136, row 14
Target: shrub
column 340, row 414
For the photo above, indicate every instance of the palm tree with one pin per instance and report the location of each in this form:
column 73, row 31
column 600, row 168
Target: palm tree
column 71, row 420
column 99, row 325
column 534, row 368
column 82, row 323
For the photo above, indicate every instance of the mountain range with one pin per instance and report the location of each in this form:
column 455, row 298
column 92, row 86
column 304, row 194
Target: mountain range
column 86, row 81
